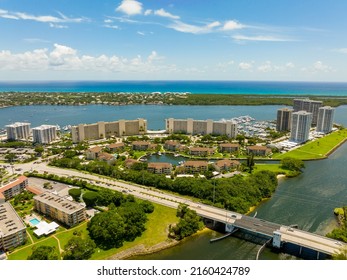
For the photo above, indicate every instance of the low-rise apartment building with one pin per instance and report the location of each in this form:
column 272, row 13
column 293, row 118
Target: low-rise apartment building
column 258, row 150
column 201, row 151
column 172, row 145
column 160, row 168
column 12, row 229
column 195, row 166
column 115, row 147
column 229, row 147
column 93, row 153
column 142, row 145
column 226, row 164
column 13, row 188
column 60, row 209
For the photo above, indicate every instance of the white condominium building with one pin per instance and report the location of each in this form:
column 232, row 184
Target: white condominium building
column 325, row 119
column 102, row 130
column 18, row 131
column 308, row 105
column 301, row 124
column 194, row 127
column 44, row 134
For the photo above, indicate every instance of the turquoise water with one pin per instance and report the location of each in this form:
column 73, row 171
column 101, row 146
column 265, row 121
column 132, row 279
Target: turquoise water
column 220, row 87
column 34, row 221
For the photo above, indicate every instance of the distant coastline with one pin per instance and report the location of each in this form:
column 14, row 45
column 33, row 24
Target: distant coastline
column 9, row 99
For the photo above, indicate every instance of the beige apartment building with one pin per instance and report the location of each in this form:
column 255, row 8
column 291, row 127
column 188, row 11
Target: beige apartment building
column 102, row 130
column 60, row 209
column 13, row 188
column 194, row 127
column 12, row 228
column 195, row 166
column 160, row 168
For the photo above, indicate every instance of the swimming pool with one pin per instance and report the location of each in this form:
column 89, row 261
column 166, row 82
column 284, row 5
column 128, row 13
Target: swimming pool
column 34, row 221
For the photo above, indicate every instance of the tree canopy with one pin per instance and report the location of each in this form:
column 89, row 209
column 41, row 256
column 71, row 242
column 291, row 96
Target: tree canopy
column 43, row 253
column 79, row 249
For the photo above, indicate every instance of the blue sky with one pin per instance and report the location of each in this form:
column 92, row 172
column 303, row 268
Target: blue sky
column 287, row 40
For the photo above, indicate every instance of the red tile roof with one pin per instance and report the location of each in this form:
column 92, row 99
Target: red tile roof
column 16, row 182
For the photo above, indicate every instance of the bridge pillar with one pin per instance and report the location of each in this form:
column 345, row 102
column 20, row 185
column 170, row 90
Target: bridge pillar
column 300, row 250
column 277, row 239
column 229, row 227
column 317, row 255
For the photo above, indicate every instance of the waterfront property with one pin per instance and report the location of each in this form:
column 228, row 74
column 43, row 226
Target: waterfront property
column 310, row 106
column 13, row 188
column 226, row 164
column 12, row 228
column 258, row 150
column 44, row 134
column 300, row 127
column 59, row 208
column 172, row 145
column 195, row 127
column 195, row 166
column 103, row 130
column 18, row 131
column 201, row 151
column 160, row 168
column 325, row 119
column 283, row 122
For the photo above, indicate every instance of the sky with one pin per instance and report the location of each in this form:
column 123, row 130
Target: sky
column 268, row 40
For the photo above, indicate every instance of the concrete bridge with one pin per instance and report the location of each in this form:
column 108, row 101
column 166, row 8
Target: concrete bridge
column 280, row 235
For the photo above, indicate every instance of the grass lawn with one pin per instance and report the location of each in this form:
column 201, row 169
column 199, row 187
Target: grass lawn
column 276, row 168
column 318, row 148
column 25, row 251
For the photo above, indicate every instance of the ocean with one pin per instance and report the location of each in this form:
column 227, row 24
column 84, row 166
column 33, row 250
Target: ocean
column 194, row 87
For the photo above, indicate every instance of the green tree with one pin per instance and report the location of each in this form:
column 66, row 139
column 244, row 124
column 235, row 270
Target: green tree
column 10, row 157
column 75, row 193
column 341, row 254
column 90, row 198
column 39, row 150
column 43, row 253
column 292, row 164
column 79, row 249
column 250, row 163
column 188, row 224
column 107, row 229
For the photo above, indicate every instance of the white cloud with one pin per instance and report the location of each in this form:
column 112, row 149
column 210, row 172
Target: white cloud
column 108, row 21
column 59, row 26
column 111, row 26
column 141, row 33
column 67, row 59
column 148, row 12
column 245, row 66
column 194, row 29
column 130, row 7
column 45, row 18
column 163, row 13
column 290, row 65
column 267, row 67
column 232, row 25
column 261, row 38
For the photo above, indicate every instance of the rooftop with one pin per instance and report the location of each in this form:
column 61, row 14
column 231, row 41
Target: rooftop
column 10, row 222
column 59, row 202
column 12, row 184
column 159, row 165
column 196, row 163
